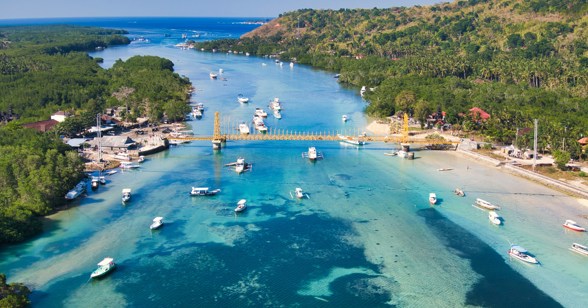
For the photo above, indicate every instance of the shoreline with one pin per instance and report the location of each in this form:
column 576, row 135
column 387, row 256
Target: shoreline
column 579, row 190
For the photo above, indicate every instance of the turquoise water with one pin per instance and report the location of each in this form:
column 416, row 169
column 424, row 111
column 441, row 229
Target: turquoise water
column 366, row 237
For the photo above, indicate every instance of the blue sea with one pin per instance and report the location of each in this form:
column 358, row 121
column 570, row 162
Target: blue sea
column 365, row 236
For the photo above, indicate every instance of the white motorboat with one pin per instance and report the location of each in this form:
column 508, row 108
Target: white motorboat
column 197, row 113
column 312, row 154
column 243, row 129
column 203, row 191
column 275, row 104
column 581, row 249
column 344, row 118
column 259, row 112
column 299, row 194
column 459, row 192
column 126, row 194
column 291, row 64
column 241, row 205
column 129, row 165
column 240, row 165
column 104, row 267
column 486, row 205
column 277, row 114
column 102, row 180
column 77, row 191
column 351, row 140
column 432, row 198
column 213, row 75
column 122, row 156
column 242, row 99
column 521, row 254
column 157, row 222
column 362, row 91
column 95, row 182
column 259, row 124
column 141, row 159
column 495, row 218
column 200, row 106
column 572, row 225
column 402, row 154
column 110, row 172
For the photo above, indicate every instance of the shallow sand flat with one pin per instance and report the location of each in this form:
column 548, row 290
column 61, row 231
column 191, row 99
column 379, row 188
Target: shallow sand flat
column 533, row 217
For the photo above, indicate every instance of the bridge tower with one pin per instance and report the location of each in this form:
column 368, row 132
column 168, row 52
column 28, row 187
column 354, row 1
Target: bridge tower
column 404, row 141
column 217, row 137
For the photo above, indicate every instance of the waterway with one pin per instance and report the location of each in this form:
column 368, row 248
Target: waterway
column 365, row 237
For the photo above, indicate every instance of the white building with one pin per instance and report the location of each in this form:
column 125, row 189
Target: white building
column 60, row 116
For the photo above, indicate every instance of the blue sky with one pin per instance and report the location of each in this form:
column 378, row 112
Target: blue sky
column 15, row 9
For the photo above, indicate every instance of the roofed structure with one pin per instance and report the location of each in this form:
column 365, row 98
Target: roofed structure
column 114, row 142
column 41, row 126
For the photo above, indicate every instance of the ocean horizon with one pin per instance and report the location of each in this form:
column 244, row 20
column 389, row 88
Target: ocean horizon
column 366, row 236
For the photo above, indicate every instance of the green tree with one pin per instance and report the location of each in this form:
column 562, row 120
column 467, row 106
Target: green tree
column 405, row 101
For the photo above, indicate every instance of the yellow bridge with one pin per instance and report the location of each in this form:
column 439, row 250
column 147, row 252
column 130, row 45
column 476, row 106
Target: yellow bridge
column 281, row 134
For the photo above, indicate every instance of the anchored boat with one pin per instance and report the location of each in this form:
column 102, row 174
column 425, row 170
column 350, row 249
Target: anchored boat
column 104, row 267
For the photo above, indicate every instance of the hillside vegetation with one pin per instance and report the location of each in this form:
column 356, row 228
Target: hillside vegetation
column 516, row 59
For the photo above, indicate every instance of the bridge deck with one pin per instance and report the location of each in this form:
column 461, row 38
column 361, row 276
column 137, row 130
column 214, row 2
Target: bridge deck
column 314, row 137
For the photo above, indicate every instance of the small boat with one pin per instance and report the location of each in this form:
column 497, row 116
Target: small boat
column 402, row 154
column 126, row 194
column 259, row 112
column 110, row 172
column 104, row 267
column 344, row 118
column 459, row 192
column 203, row 191
column 391, row 154
column 362, row 91
column 581, row 249
column 277, row 114
column 242, row 99
column 241, row 165
column 213, row 75
column 220, row 70
column 243, row 129
column 241, row 206
column 299, row 194
column 95, row 182
column 77, row 191
column 157, row 222
column 432, row 198
column 197, row 113
column 291, row 64
column 351, row 140
column 486, row 205
column 444, row 169
column 141, row 159
column 312, row 155
column 102, row 180
column 122, row 156
column 521, row 254
column 128, row 165
column 572, row 225
column 259, row 124
column 200, row 106
column 275, row 104
column 495, row 218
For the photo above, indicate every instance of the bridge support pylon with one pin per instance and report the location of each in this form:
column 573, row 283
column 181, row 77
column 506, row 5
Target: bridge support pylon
column 217, row 137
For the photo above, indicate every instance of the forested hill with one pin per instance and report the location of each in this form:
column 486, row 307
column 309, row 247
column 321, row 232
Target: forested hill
column 516, row 59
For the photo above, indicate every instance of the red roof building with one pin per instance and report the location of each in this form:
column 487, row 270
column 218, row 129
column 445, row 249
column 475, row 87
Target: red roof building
column 41, row 126
column 583, row 141
column 478, row 113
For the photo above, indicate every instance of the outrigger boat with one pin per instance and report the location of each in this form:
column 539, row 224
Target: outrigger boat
column 312, row 154
column 203, row 191
column 104, row 267
column 240, row 165
column 521, row 254
column 486, row 205
column 581, row 249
